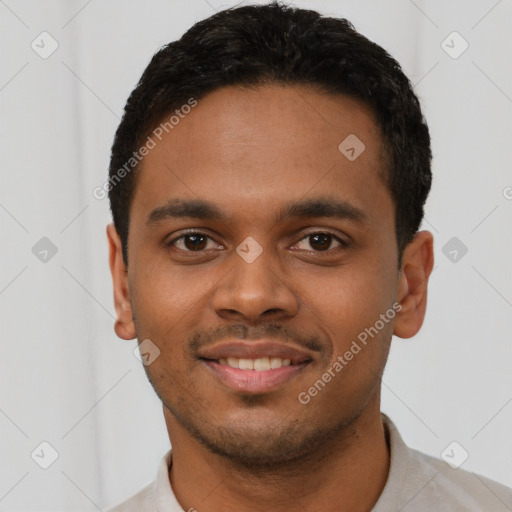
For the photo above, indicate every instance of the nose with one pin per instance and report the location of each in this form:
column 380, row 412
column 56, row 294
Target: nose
column 254, row 291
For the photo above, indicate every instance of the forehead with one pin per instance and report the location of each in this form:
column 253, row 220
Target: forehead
column 254, row 148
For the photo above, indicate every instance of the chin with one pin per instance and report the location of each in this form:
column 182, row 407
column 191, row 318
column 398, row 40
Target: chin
column 270, row 446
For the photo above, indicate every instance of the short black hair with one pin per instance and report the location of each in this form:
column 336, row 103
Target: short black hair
column 275, row 43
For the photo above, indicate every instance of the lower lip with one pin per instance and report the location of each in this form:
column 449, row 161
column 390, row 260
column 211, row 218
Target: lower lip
column 252, row 381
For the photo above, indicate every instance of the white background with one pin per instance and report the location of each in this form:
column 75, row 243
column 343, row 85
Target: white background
column 68, row 380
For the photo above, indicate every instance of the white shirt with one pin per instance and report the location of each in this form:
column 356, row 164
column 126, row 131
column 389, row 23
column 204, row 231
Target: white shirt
column 416, row 483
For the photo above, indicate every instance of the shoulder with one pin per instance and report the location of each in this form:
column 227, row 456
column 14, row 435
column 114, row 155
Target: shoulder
column 454, row 488
column 418, row 482
column 139, row 502
column 158, row 495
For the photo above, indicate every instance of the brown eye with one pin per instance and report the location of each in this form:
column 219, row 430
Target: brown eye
column 321, row 242
column 190, row 242
column 196, row 242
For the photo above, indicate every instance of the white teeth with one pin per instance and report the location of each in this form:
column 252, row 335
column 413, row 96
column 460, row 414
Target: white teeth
column 263, row 363
column 275, row 362
column 246, row 364
column 232, row 361
column 260, row 364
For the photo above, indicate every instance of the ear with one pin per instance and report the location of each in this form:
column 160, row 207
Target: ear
column 124, row 325
column 417, row 263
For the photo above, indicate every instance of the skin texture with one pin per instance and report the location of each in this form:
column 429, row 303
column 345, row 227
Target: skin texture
column 250, row 151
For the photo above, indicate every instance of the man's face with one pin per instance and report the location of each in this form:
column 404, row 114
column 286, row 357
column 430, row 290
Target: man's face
column 318, row 282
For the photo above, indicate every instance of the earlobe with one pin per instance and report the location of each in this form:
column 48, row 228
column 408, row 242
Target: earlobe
column 124, row 330
column 417, row 264
column 124, row 325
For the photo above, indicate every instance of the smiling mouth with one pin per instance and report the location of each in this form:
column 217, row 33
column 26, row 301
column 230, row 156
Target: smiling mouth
column 259, row 364
column 255, row 376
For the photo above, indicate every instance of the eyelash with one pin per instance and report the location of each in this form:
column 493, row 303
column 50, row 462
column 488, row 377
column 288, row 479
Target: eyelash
column 343, row 243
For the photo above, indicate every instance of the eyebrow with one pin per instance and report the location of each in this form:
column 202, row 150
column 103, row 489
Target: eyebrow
column 309, row 208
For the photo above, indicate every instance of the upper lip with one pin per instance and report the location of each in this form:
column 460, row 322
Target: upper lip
column 242, row 349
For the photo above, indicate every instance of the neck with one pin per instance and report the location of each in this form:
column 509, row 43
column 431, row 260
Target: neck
column 350, row 474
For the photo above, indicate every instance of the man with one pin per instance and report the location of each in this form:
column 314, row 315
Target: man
column 267, row 183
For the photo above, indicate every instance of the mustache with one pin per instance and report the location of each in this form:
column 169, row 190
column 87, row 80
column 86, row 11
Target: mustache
column 270, row 331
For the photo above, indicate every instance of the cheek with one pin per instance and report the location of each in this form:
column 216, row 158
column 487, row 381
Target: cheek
column 348, row 309
column 165, row 306
column 349, row 299
column 164, row 299
column 170, row 303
